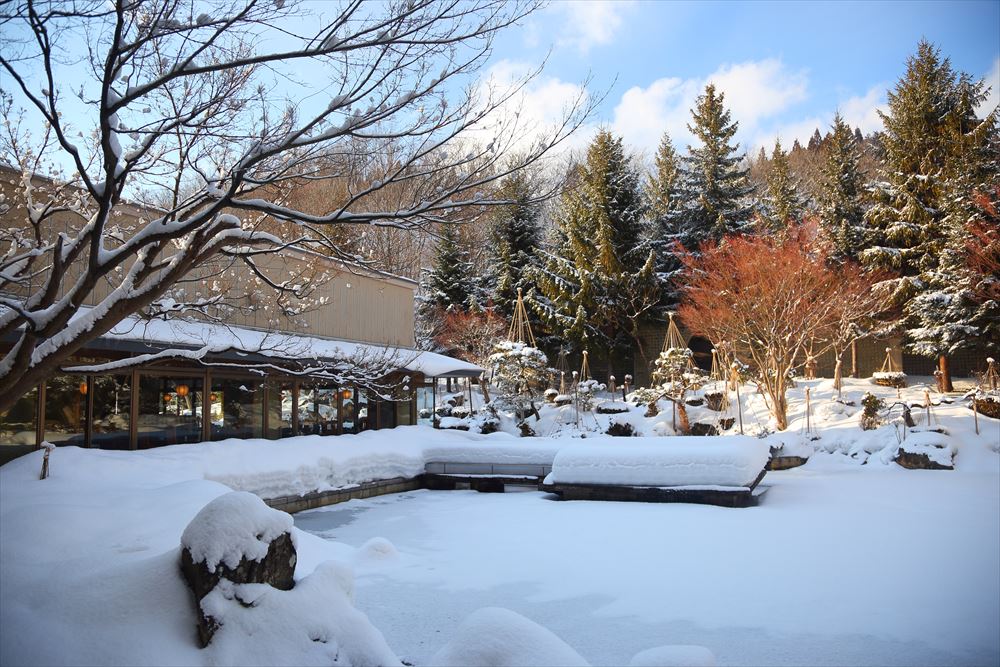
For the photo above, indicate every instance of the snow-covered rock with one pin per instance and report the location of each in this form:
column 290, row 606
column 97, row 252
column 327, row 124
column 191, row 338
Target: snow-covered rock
column 234, row 527
column 495, row 637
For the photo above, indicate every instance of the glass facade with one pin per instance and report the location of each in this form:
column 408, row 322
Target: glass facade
column 425, row 404
column 165, row 407
column 18, row 427
column 279, row 410
column 112, row 411
column 236, row 408
column 170, row 410
column 318, row 409
column 66, row 409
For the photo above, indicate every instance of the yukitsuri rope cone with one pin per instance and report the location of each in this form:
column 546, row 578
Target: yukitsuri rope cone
column 889, row 375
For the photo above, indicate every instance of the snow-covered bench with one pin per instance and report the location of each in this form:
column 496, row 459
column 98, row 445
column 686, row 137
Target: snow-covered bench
column 722, row 470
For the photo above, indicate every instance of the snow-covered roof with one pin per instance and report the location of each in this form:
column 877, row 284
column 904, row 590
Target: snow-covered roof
column 207, row 337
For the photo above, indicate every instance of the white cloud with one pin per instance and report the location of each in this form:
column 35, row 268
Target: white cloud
column 993, row 81
column 755, row 91
column 532, row 113
column 589, row 23
column 863, row 111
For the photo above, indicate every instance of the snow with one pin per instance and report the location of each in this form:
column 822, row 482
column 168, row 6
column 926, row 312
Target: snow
column 210, row 337
column 232, row 527
column 841, row 563
column 494, row 637
column 674, row 656
column 679, row 461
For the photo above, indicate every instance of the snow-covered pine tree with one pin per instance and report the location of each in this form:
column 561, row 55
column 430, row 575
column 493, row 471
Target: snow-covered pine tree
column 782, row 204
column 842, row 192
column 449, row 284
column 515, row 230
column 937, row 155
column 713, row 189
column 661, row 192
column 599, row 282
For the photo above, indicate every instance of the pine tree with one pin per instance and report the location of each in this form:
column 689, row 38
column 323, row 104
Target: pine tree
column 661, row 193
column 516, row 235
column 842, row 192
column 713, row 189
column 450, row 285
column 782, row 205
column 600, row 281
column 937, row 154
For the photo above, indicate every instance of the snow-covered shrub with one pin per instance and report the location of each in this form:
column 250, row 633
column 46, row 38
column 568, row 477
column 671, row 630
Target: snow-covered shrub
column 645, row 395
column 586, row 392
column 671, row 364
column 890, row 379
column 620, row 428
column 870, row 419
column 520, row 373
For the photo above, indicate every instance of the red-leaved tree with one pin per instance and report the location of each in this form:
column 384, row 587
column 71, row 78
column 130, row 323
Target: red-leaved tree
column 771, row 299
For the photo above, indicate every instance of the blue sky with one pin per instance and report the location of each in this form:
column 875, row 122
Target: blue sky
column 785, row 66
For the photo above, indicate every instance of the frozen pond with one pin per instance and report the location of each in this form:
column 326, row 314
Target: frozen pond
column 839, row 565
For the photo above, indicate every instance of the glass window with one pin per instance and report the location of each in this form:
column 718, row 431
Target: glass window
column 112, row 408
column 425, row 403
column 279, row 410
column 236, row 408
column 170, row 410
column 17, row 427
column 318, row 413
column 66, row 409
column 404, row 408
column 364, row 411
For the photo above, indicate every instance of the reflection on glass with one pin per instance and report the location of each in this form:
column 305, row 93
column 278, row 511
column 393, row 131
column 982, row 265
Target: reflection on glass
column 66, row 409
column 425, row 404
column 236, row 408
column 318, row 409
column 279, row 410
column 17, row 427
column 170, row 410
column 404, row 408
column 362, row 421
column 112, row 406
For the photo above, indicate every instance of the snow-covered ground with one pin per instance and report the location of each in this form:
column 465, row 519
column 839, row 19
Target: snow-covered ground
column 842, row 563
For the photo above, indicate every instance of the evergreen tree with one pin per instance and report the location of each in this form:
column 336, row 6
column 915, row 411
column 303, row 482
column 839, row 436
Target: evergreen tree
column 713, row 189
column 600, row 281
column 937, row 153
column 842, row 192
column 516, row 235
column 450, row 285
column 782, row 205
column 661, row 192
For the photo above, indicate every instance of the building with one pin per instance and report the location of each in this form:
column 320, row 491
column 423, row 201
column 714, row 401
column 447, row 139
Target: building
column 269, row 370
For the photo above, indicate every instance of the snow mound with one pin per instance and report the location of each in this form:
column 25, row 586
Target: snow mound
column 232, row 527
column 376, row 550
column 674, row 656
column 495, row 637
column 312, row 624
column 677, row 461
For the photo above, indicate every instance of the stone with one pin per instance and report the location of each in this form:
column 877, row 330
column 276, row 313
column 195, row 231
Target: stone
column 700, row 428
column 276, row 568
column 620, row 429
column 919, row 461
column 713, row 400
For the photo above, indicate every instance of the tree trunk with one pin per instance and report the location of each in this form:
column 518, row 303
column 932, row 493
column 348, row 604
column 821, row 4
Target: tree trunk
column 945, row 369
column 854, row 359
column 683, row 423
column 838, row 375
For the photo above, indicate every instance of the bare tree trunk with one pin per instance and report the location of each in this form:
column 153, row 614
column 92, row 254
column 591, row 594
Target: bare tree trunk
column 683, row 423
column 854, row 359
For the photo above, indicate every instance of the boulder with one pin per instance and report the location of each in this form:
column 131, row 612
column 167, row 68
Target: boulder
column 236, row 538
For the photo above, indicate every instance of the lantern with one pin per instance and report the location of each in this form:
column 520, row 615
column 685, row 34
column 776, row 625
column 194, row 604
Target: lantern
column 83, row 388
column 345, row 394
column 167, row 397
column 182, row 390
column 213, row 397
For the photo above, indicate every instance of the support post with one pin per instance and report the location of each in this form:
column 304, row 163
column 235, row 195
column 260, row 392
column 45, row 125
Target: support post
column 975, row 415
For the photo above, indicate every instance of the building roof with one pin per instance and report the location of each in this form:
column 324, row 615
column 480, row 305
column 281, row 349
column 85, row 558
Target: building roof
column 139, row 336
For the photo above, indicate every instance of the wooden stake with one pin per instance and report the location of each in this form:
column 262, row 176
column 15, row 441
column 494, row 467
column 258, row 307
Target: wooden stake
column 975, row 415
column 808, row 412
column 927, row 404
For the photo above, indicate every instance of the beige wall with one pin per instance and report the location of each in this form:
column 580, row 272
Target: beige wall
column 346, row 302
